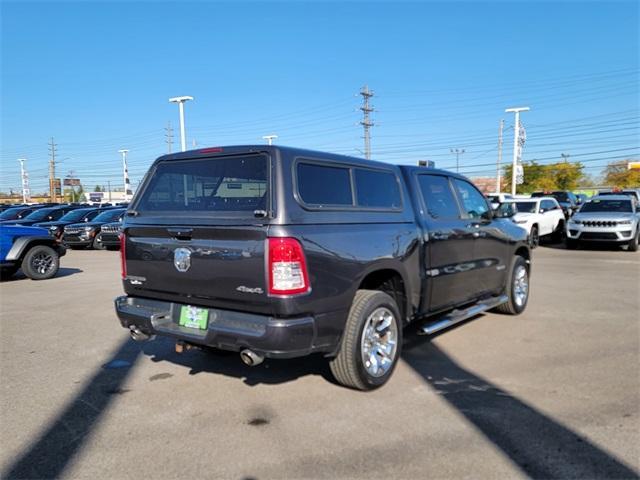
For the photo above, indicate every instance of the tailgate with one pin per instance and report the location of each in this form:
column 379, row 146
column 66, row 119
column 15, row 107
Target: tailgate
column 220, row 266
column 196, row 232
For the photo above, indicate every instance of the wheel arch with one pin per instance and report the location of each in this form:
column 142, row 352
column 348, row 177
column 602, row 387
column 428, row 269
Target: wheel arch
column 22, row 244
column 524, row 252
column 390, row 280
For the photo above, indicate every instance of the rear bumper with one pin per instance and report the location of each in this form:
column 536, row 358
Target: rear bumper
column 226, row 330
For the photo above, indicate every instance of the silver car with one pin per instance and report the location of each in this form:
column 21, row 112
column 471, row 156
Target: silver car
column 609, row 218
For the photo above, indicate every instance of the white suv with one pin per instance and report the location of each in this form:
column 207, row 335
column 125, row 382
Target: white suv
column 539, row 217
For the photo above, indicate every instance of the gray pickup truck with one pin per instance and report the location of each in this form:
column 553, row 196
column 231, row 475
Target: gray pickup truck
column 280, row 252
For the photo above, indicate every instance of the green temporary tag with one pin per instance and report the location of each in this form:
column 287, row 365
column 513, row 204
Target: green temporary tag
column 194, row 317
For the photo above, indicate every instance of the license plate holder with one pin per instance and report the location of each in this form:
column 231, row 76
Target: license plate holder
column 193, row 317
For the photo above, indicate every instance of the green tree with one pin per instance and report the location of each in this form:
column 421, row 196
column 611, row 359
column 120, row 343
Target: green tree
column 557, row 176
column 97, row 188
column 616, row 174
column 567, row 175
column 535, row 178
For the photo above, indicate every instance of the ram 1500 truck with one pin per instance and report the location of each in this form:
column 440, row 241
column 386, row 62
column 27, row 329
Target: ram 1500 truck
column 280, row 252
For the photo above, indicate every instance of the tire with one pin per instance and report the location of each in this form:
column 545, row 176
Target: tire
column 534, row 237
column 370, row 310
column 571, row 244
column 516, row 304
column 8, row 272
column 558, row 233
column 632, row 246
column 40, row 262
column 96, row 244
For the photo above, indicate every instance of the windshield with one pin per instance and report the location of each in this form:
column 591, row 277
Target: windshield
column 526, row 207
column 75, row 215
column 607, row 206
column 39, row 214
column 227, row 184
column 11, row 213
column 109, row 216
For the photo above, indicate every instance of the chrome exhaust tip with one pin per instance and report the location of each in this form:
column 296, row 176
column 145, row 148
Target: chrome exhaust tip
column 251, row 358
column 138, row 335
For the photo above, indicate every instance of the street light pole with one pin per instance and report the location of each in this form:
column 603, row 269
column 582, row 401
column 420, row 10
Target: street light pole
column 270, row 138
column 25, row 181
column 180, row 101
column 125, row 173
column 516, row 137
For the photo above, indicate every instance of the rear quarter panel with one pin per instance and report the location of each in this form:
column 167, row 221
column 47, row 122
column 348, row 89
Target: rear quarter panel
column 342, row 246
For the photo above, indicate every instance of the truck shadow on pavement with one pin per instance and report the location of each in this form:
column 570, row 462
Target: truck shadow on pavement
column 539, row 446
column 270, row 372
column 48, row 455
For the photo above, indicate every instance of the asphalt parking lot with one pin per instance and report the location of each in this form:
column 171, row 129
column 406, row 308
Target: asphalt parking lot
column 553, row 393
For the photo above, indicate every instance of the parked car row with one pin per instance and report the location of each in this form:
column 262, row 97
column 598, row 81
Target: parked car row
column 74, row 225
column 609, row 216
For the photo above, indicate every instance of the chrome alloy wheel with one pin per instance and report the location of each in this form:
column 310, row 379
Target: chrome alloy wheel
column 42, row 263
column 378, row 346
column 520, row 285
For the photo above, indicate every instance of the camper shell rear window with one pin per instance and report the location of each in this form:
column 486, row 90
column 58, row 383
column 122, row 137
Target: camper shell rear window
column 233, row 185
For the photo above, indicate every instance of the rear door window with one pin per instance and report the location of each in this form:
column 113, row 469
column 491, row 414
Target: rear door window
column 438, row 197
column 323, row 185
column 472, row 200
column 377, row 189
column 226, row 184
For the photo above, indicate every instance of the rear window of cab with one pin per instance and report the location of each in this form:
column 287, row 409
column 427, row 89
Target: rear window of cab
column 326, row 186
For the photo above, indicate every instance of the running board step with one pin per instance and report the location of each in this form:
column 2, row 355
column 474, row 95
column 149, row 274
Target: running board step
column 458, row 316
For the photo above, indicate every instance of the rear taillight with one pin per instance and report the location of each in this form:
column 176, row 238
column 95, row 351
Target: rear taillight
column 123, row 255
column 287, row 267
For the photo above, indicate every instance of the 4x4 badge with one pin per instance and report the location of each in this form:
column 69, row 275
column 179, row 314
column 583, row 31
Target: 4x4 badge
column 182, row 259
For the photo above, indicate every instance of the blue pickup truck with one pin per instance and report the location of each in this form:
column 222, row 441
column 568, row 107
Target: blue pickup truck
column 31, row 249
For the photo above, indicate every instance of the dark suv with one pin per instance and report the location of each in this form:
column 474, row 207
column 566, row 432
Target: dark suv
column 83, row 234
column 281, row 252
column 567, row 200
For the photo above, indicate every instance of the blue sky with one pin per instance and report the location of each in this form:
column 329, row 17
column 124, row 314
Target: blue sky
column 97, row 76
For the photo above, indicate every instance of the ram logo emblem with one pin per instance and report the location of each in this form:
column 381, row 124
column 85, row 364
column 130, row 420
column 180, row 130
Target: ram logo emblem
column 182, row 259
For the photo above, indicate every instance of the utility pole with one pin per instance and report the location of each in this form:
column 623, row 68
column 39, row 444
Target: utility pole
column 109, row 187
column 458, row 152
column 169, row 136
column 127, row 184
column 516, row 149
column 499, row 156
column 52, row 171
column 366, row 122
column 565, row 157
column 26, row 194
column 180, row 101
column 270, row 138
